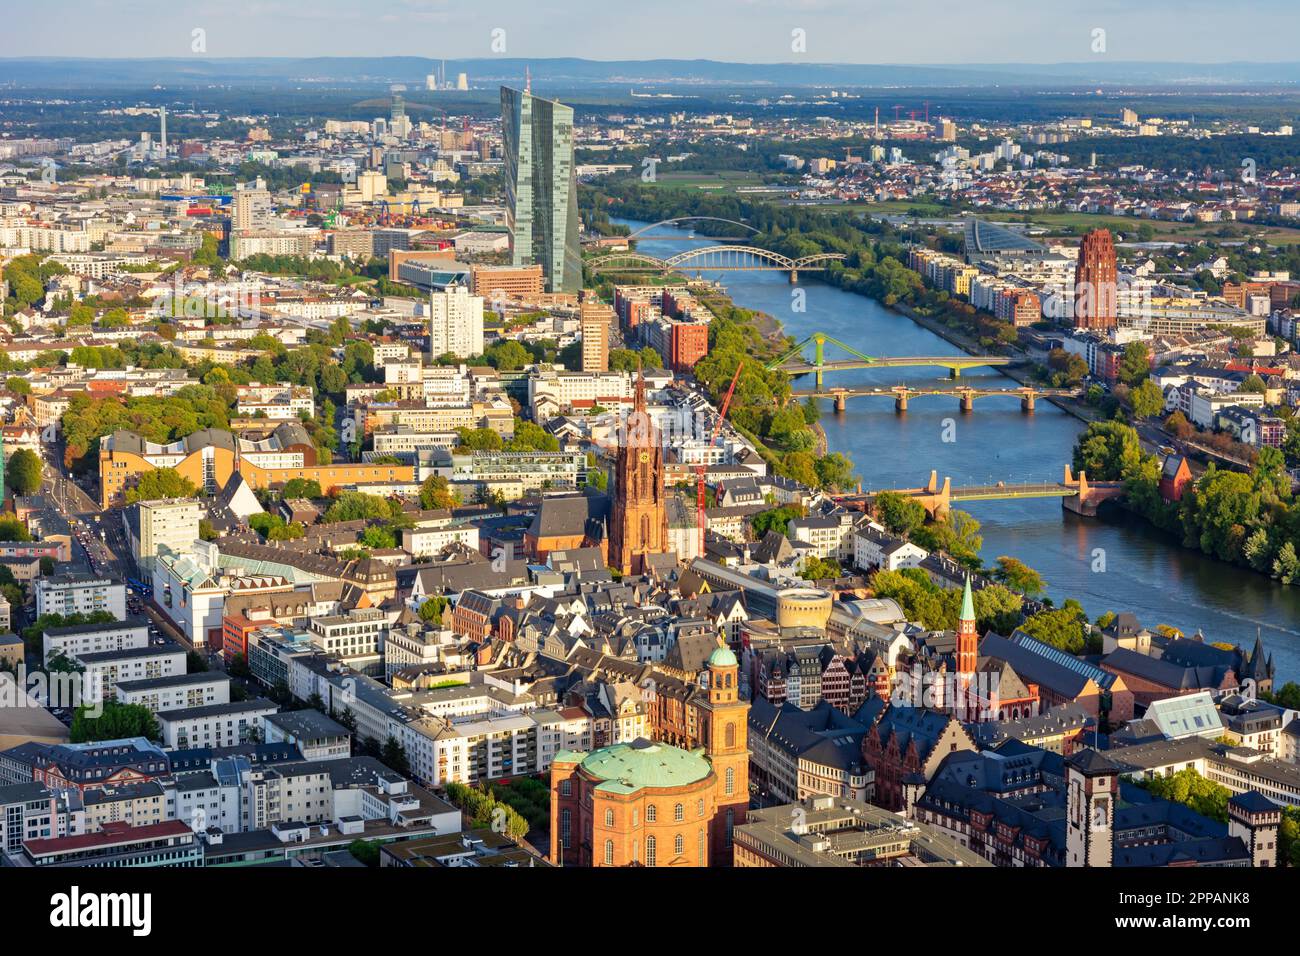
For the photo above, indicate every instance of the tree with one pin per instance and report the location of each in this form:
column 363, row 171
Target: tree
column 1286, row 565
column 835, row 471
column 777, row 519
column 365, row 851
column 1178, row 425
column 19, row 386
column 479, row 439
column 436, row 492
column 1253, row 383
column 819, row 569
column 161, row 483
column 1018, row 575
column 1104, row 449
column 1134, row 364
column 355, row 505
column 23, row 472
column 378, row 536
column 531, row 437
column 432, row 609
column 1062, row 628
column 13, row 529
column 301, row 488
column 899, row 513
column 116, row 722
column 1147, row 400
column 1189, row 788
column 393, row 756
column 508, row 356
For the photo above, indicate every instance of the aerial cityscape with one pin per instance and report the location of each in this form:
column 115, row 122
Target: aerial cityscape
column 508, row 451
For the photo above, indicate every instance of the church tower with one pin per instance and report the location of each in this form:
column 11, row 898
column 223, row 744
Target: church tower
column 638, row 521
column 725, row 720
column 968, row 645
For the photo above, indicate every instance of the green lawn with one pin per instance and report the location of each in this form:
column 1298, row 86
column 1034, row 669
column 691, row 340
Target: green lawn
column 722, row 181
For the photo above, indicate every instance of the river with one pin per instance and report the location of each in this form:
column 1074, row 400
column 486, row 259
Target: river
column 1139, row 569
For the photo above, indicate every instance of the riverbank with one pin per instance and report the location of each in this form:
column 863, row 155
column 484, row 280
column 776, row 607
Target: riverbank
column 1145, row 571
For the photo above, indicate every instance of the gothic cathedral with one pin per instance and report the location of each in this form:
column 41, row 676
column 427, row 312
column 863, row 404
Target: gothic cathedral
column 638, row 521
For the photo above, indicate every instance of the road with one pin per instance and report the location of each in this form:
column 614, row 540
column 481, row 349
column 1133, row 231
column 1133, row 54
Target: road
column 101, row 537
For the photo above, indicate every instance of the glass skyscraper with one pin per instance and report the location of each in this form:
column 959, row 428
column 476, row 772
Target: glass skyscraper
column 541, row 190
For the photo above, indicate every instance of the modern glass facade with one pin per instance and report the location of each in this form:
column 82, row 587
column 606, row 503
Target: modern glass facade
column 541, row 191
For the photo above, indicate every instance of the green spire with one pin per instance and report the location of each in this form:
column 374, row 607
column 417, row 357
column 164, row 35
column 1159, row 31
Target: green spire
column 967, row 603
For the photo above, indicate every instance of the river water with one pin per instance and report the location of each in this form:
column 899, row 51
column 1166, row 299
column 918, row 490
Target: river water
column 1113, row 562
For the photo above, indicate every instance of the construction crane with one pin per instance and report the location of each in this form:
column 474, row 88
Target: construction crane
column 713, row 440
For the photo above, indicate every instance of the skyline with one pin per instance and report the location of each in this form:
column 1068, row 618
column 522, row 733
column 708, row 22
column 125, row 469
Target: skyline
column 1011, row 32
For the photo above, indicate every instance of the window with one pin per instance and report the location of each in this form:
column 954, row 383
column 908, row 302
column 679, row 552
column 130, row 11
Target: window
column 609, row 852
column 650, row 851
column 679, row 844
column 731, row 823
column 731, row 735
column 700, row 848
column 679, row 813
column 609, row 818
column 566, row 827
column 731, row 780
column 651, row 814
column 700, row 808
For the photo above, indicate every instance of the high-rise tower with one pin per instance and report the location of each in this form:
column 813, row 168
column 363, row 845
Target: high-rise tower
column 638, row 520
column 541, row 188
column 1095, row 283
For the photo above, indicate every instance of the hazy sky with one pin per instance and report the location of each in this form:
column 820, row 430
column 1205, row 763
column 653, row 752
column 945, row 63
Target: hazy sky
column 757, row 31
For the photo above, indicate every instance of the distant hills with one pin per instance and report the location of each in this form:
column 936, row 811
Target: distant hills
column 201, row 71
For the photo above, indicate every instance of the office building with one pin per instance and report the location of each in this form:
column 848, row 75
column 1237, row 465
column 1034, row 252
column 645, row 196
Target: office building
column 250, row 210
column 541, row 188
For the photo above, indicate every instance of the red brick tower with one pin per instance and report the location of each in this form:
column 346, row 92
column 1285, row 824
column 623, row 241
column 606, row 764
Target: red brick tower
column 1095, row 289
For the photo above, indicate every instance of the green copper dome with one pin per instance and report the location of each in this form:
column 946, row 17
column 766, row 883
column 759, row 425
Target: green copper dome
column 643, row 763
column 722, row 657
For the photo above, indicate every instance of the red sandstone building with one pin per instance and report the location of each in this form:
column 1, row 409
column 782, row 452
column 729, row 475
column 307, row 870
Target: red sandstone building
column 638, row 520
column 649, row 803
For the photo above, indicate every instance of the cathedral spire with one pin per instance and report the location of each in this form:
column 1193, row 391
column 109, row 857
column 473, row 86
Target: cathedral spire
column 639, row 403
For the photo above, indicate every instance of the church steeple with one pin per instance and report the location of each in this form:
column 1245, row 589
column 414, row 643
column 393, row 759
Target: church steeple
column 638, row 522
column 967, row 642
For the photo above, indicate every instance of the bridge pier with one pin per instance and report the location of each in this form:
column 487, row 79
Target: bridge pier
column 954, row 372
column 968, row 401
column 1027, row 403
column 1079, row 505
column 841, row 402
column 900, row 403
column 794, row 276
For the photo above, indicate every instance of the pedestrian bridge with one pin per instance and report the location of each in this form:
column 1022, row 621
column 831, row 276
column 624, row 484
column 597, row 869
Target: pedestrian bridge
column 1077, row 494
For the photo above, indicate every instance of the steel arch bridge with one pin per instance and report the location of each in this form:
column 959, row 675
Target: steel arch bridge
column 714, row 259
column 668, row 222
